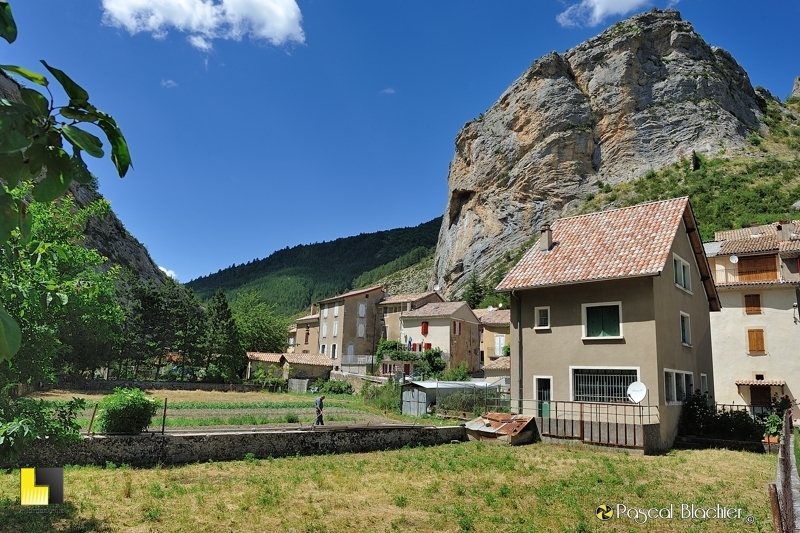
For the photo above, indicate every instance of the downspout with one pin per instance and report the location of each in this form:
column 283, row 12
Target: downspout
column 519, row 352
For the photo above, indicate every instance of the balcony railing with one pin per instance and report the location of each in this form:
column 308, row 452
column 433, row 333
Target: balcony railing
column 739, row 275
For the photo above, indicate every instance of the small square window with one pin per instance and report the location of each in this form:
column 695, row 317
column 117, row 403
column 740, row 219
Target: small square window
column 542, row 315
column 752, row 304
column 755, row 342
column 602, row 320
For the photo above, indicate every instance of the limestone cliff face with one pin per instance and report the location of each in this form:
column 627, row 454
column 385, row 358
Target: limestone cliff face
column 796, row 88
column 108, row 236
column 643, row 94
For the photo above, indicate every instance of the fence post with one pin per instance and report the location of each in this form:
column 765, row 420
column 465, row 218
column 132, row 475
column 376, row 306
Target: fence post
column 164, row 417
column 91, row 422
column 776, row 510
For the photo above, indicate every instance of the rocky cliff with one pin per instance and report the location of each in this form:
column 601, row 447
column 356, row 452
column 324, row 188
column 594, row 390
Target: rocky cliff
column 643, row 94
column 108, row 235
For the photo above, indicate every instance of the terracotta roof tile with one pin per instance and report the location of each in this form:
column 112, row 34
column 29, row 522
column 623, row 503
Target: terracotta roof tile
column 749, row 245
column 497, row 317
column 764, row 382
column 266, row 357
column 627, row 242
column 404, row 298
column 747, row 233
column 434, row 309
column 308, row 318
column 313, row 359
column 351, row 293
column 501, row 363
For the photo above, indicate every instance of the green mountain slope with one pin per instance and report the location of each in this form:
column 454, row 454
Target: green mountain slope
column 293, row 278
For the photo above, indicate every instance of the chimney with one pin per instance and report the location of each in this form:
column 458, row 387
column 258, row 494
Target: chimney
column 546, row 242
column 785, row 229
column 313, row 309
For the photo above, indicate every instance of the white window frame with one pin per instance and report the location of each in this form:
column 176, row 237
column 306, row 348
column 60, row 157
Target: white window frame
column 499, row 342
column 322, row 349
column 324, row 310
column 335, row 328
column 584, row 324
column 324, row 330
column 688, row 340
column 536, row 311
column 536, row 389
column 598, row 367
column 334, row 355
column 703, row 383
column 336, row 309
column 682, row 273
column 675, row 376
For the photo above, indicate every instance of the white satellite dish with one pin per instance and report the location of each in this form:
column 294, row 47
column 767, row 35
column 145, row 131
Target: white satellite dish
column 436, row 288
column 734, row 259
column 637, row 391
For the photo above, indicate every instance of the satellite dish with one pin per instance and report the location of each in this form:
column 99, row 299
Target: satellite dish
column 436, row 288
column 734, row 259
column 637, row 391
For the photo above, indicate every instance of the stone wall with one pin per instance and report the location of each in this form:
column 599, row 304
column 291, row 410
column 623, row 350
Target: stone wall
column 152, row 449
column 357, row 380
column 89, row 384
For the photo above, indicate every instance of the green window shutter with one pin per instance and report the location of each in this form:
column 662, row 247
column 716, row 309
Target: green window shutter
column 610, row 320
column 594, row 322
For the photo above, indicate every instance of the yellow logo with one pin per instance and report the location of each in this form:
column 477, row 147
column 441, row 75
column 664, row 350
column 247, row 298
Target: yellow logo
column 41, row 486
column 604, row 512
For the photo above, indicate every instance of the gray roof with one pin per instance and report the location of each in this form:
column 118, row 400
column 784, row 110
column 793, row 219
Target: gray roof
column 712, row 248
column 452, row 384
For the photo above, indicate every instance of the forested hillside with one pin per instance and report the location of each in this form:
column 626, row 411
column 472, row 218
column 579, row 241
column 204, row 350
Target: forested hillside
column 293, row 278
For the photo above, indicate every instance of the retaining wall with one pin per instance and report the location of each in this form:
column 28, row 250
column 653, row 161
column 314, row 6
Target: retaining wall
column 169, row 449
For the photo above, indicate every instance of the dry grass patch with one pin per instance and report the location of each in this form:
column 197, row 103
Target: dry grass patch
column 465, row 487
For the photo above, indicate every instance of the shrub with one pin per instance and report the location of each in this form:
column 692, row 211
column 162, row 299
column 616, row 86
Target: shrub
column 754, row 139
column 127, row 411
column 24, row 421
column 335, row 387
column 696, row 415
column 459, row 373
column 736, row 425
column 507, row 350
column 292, row 418
column 773, row 425
column 384, row 397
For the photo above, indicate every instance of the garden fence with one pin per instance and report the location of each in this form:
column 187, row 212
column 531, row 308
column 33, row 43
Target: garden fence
column 786, row 494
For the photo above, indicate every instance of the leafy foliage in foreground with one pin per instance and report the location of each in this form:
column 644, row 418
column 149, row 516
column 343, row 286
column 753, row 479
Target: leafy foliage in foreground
column 293, row 278
column 23, row 421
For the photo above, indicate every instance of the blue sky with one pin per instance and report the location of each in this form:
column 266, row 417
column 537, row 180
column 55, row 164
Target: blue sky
column 260, row 124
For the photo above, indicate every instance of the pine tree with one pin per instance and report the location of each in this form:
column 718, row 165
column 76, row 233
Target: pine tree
column 474, row 292
column 224, row 345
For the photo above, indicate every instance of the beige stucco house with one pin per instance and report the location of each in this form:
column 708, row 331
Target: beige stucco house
column 449, row 326
column 390, row 307
column 495, row 332
column 607, row 299
column 307, row 333
column 757, row 335
column 348, row 323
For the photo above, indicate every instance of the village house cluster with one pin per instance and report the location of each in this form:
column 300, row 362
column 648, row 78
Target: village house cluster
column 601, row 301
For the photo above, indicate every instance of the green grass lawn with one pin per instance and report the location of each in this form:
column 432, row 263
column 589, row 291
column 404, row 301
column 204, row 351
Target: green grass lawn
column 449, row 488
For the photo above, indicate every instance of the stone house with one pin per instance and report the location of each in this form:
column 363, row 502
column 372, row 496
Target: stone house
column 294, row 365
column 348, row 323
column 756, row 336
column 449, row 326
column 390, row 308
column 495, row 330
column 607, row 299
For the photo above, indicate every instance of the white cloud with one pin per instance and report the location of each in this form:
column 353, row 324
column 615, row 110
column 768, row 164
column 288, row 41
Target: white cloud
column 388, row 90
column 276, row 21
column 170, row 273
column 593, row 12
column 168, row 84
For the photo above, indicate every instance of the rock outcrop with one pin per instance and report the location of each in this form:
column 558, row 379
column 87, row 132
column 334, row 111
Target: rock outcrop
column 645, row 93
column 796, row 88
column 108, row 236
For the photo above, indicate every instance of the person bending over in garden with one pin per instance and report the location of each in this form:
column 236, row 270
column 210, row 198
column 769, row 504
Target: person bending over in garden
column 320, row 407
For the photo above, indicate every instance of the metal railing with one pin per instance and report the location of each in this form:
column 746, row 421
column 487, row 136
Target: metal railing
column 758, row 412
column 612, row 424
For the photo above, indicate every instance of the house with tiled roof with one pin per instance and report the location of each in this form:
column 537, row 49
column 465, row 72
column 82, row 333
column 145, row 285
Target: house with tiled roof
column 348, row 323
column 295, row 365
column 390, row 307
column 495, row 330
column 756, row 336
column 449, row 326
column 605, row 300
column 307, row 333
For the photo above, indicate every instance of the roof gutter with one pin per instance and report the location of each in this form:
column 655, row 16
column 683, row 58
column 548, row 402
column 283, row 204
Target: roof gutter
column 519, row 350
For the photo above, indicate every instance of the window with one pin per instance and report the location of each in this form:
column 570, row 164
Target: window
column 703, row 383
column 413, row 346
column 427, row 346
column 686, row 329
column 336, row 309
column 757, row 268
column 602, row 320
column 361, row 329
column 752, row 304
column 683, row 274
column 755, row 342
column 322, row 349
column 456, row 327
column 677, row 385
column 542, row 315
column 308, row 333
column 362, row 310
column 424, row 328
column 335, row 327
column 499, row 342
column 602, row 384
column 324, row 310
column 324, row 330
column 350, row 348
column 385, row 311
column 333, row 351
